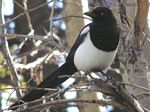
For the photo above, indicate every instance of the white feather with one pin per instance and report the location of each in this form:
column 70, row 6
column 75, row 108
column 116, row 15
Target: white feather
column 85, row 30
column 88, row 57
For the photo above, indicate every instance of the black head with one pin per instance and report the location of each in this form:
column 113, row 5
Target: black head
column 101, row 14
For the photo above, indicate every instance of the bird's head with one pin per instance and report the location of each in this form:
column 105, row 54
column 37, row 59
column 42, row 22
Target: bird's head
column 101, row 14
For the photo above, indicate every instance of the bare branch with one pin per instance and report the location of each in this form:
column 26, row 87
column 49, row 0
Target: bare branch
column 128, row 102
column 31, row 88
column 72, row 16
column 51, row 18
column 35, row 37
column 6, row 53
column 21, row 14
column 141, row 17
column 123, row 14
column 135, row 86
column 27, row 15
column 18, row 4
column 66, row 101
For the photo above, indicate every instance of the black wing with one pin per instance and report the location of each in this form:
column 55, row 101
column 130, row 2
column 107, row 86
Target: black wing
column 80, row 39
column 54, row 80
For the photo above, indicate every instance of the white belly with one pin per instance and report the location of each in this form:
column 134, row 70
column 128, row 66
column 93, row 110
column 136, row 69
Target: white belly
column 88, row 57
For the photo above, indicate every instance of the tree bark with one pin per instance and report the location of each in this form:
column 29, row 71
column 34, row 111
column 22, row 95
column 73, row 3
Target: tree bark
column 74, row 25
column 134, row 65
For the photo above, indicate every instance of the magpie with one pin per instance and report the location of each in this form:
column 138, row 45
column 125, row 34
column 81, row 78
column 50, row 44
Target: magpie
column 94, row 50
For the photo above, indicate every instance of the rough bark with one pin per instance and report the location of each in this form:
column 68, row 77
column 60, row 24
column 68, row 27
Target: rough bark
column 146, row 46
column 134, row 65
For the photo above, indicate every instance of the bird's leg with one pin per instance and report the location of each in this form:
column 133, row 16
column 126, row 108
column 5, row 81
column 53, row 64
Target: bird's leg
column 104, row 77
column 101, row 76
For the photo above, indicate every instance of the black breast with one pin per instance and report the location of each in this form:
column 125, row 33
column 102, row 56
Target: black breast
column 104, row 36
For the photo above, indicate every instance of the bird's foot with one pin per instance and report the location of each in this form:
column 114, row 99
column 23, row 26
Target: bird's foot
column 106, row 78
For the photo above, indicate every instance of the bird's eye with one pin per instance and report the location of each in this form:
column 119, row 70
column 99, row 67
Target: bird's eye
column 101, row 13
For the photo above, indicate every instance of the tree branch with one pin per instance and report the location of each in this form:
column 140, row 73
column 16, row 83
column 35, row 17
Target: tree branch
column 6, row 53
column 140, row 19
column 27, row 15
column 128, row 102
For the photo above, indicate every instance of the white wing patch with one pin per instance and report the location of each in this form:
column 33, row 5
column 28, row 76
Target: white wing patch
column 85, row 30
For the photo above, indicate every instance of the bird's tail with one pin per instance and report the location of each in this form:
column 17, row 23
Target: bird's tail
column 52, row 81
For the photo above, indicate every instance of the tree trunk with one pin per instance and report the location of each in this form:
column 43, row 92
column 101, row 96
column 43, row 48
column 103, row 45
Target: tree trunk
column 134, row 65
column 74, row 25
column 1, row 17
column 146, row 47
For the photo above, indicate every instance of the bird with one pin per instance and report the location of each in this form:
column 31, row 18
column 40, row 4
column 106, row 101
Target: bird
column 94, row 50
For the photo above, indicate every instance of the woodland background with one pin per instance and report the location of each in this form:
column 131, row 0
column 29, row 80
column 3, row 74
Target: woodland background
column 35, row 40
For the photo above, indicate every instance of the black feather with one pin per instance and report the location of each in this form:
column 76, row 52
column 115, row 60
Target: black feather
column 53, row 80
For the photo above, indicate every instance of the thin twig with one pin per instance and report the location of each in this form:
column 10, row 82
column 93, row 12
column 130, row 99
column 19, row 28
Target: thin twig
column 35, row 37
column 31, row 88
column 6, row 53
column 27, row 15
column 51, row 18
column 21, row 14
column 135, row 86
column 18, row 4
column 72, row 16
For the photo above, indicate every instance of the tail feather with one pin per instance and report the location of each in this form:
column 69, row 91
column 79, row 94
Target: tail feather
column 51, row 81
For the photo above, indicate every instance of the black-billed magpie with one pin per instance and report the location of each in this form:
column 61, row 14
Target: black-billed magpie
column 94, row 50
